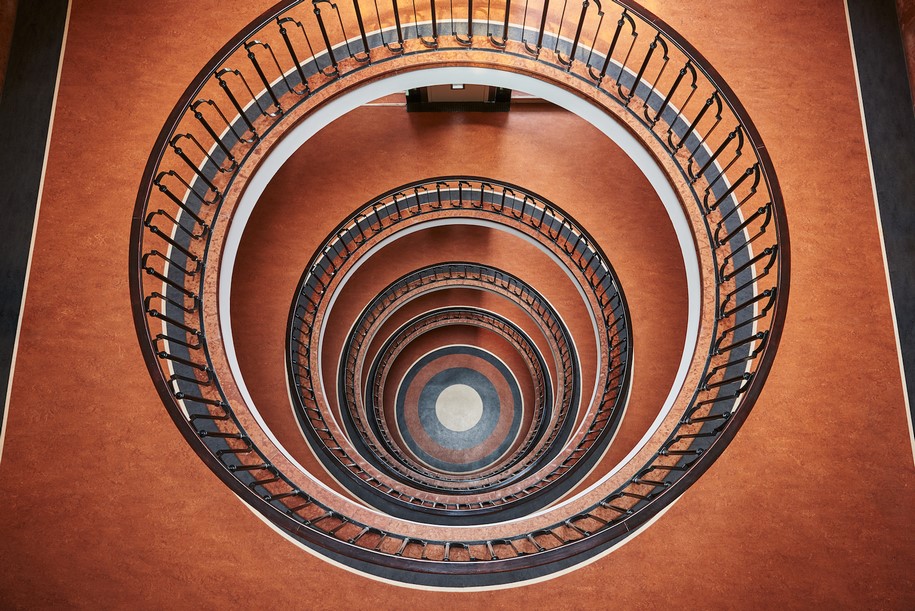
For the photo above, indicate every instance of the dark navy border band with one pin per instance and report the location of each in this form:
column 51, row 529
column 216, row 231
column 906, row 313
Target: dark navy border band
column 890, row 125
column 491, row 399
column 25, row 122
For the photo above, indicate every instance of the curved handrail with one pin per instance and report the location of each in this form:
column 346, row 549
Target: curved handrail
column 505, row 204
column 428, row 279
column 445, row 317
column 213, row 130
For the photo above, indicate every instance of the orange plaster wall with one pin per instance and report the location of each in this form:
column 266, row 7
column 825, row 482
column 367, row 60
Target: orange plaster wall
column 105, row 506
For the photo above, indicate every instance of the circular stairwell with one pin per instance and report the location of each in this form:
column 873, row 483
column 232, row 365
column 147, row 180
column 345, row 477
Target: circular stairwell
column 459, row 353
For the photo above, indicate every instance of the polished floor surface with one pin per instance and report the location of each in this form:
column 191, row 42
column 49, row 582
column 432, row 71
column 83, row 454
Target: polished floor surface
column 106, row 506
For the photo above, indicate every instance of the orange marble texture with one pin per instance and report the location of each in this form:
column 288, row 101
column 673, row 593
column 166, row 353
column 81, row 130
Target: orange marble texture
column 104, row 505
column 316, row 188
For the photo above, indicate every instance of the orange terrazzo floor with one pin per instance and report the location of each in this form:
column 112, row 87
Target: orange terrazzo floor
column 105, row 506
column 586, row 175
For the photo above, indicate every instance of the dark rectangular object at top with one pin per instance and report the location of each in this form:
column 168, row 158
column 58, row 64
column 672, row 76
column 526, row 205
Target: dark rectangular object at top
column 424, row 99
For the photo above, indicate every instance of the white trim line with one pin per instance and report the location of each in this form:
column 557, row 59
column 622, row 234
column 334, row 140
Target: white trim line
column 458, row 589
column 886, row 267
column 424, row 225
column 28, row 265
column 486, row 76
column 507, row 368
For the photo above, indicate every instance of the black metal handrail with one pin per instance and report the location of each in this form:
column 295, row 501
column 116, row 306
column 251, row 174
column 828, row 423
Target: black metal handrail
column 521, row 463
column 445, row 317
column 636, row 63
column 506, row 204
column 429, row 279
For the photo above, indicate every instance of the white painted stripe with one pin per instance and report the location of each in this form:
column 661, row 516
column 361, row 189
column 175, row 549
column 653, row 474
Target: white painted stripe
column 28, row 266
column 886, row 268
column 495, row 357
column 436, row 76
column 505, row 586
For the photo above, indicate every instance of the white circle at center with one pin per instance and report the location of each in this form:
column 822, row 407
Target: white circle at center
column 459, row 407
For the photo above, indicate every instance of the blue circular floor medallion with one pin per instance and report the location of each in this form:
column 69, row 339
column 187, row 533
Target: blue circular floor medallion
column 459, row 409
column 451, row 400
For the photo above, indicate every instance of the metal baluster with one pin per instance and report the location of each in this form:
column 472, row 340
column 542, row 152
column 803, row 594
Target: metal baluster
column 431, row 43
column 249, row 46
column 624, row 18
column 501, row 43
column 333, row 70
column 536, row 50
column 467, row 42
column 638, row 78
column 291, row 49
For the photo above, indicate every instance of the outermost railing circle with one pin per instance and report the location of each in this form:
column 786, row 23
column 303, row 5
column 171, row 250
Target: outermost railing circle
column 182, row 191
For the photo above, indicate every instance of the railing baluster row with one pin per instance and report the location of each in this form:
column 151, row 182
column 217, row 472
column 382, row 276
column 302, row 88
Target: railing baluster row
column 626, row 59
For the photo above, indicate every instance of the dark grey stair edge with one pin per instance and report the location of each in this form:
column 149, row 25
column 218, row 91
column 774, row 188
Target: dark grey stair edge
column 890, row 127
column 29, row 94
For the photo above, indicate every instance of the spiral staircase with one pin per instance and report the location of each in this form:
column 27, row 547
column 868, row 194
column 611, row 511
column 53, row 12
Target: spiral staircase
column 112, row 496
column 461, row 354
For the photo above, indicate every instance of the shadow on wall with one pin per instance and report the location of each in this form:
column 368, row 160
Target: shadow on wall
column 7, row 21
column 905, row 10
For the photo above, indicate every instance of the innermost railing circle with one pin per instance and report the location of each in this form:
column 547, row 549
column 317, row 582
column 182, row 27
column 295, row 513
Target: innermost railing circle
column 458, row 200
column 541, row 413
